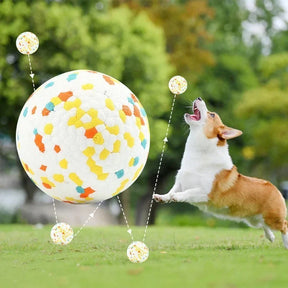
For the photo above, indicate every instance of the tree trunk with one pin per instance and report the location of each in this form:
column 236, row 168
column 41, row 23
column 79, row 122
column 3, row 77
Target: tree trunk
column 125, row 202
column 142, row 210
column 28, row 186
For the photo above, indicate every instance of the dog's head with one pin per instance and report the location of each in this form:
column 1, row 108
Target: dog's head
column 210, row 123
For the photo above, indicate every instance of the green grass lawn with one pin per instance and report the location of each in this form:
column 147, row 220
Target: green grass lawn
column 179, row 257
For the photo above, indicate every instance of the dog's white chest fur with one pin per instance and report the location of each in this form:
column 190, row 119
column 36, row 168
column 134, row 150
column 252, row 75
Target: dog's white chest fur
column 201, row 162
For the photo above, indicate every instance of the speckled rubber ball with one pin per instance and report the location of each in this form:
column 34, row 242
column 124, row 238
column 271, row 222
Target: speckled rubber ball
column 83, row 137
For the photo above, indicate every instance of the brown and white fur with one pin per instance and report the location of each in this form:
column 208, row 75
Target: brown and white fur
column 209, row 180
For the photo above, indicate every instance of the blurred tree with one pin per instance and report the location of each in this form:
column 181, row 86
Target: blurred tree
column 264, row 110
column 264, row 107
column 184, row 25
column 126, row 46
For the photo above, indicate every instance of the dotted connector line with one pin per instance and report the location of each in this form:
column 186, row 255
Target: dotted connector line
column 31, row 72
column 88, row 219
column 125, row 218
column 159, row 167
column 55, row 212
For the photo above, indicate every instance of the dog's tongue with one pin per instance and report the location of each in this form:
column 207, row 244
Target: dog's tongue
column 196, row 116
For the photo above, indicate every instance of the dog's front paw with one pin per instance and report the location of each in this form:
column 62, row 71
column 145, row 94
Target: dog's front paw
column 160, row 198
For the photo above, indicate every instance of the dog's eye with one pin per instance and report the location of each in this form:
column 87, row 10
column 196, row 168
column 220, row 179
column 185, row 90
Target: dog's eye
column 212, row 115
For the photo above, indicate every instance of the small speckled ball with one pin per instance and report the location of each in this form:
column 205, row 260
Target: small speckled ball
column 27, row 43
column 137, row 252
column 83, row 137
column 61, row 234
column 177, row 85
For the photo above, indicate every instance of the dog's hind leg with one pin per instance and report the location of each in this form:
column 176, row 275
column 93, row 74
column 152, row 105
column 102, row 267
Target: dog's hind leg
column 268, row 233
column 284, row 233
column 285, row 240
column 278, row 223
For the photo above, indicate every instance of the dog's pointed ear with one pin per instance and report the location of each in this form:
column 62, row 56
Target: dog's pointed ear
column 227, row 133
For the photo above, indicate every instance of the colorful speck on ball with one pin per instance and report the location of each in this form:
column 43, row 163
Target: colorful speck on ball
column 27, row 43
column 177, row 85
column 83, row 137
column 137, row 252
column 61, row 234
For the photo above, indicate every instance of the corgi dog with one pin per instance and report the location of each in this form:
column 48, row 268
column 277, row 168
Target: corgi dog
column 209, row 180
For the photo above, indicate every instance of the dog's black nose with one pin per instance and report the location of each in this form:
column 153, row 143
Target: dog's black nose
column 199, row 98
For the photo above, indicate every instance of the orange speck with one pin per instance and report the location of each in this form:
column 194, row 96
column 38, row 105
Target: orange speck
column 70, row 202
column 26, row 167
column 87, row 192
column 108, row 79
column 134, row 98
column 39, row 143
column 57, row 148
column 45, row 112
column 64, row 96
column 34, row 109
column 43, row 167
column 136, row 112
column 126, row 110
column 46, row 185
column 90, row 133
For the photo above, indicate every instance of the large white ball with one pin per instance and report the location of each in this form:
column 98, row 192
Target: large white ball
column 83, row 137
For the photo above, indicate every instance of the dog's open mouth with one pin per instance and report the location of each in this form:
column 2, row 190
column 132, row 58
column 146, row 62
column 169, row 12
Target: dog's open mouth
column 197, row 115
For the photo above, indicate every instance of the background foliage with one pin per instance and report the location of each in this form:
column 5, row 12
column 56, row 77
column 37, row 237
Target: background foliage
column 240, row 73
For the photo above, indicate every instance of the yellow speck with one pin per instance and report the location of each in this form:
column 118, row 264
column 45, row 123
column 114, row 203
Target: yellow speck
column 56, row 100
column 63, row 163
column 116, row 146
column 58, row 177
column 80, row 113
column 104, row 154
column 103, row 176
column 109, row 104
column 47, row 181
column 98, row 139
column 74, row 200
column 48, row 129
column 141, row 136
column 122, row 116
column 89, row 151
column 72, row 104
column 75, row 178
column 129, row 139
column 138, row 171
column 121, row 187
column 138, row 122
column 113, row 130
column 88, row 86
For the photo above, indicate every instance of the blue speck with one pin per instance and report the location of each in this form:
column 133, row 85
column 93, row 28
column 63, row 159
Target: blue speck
column 143, row 112
column 144, row 143
column 50, row 84
column 136, row 161
column 120, row 173
column 35, row 131
column 130, row 100
column 79, row 189
column 50, row 106
column 25, row 112
column 72, row 77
